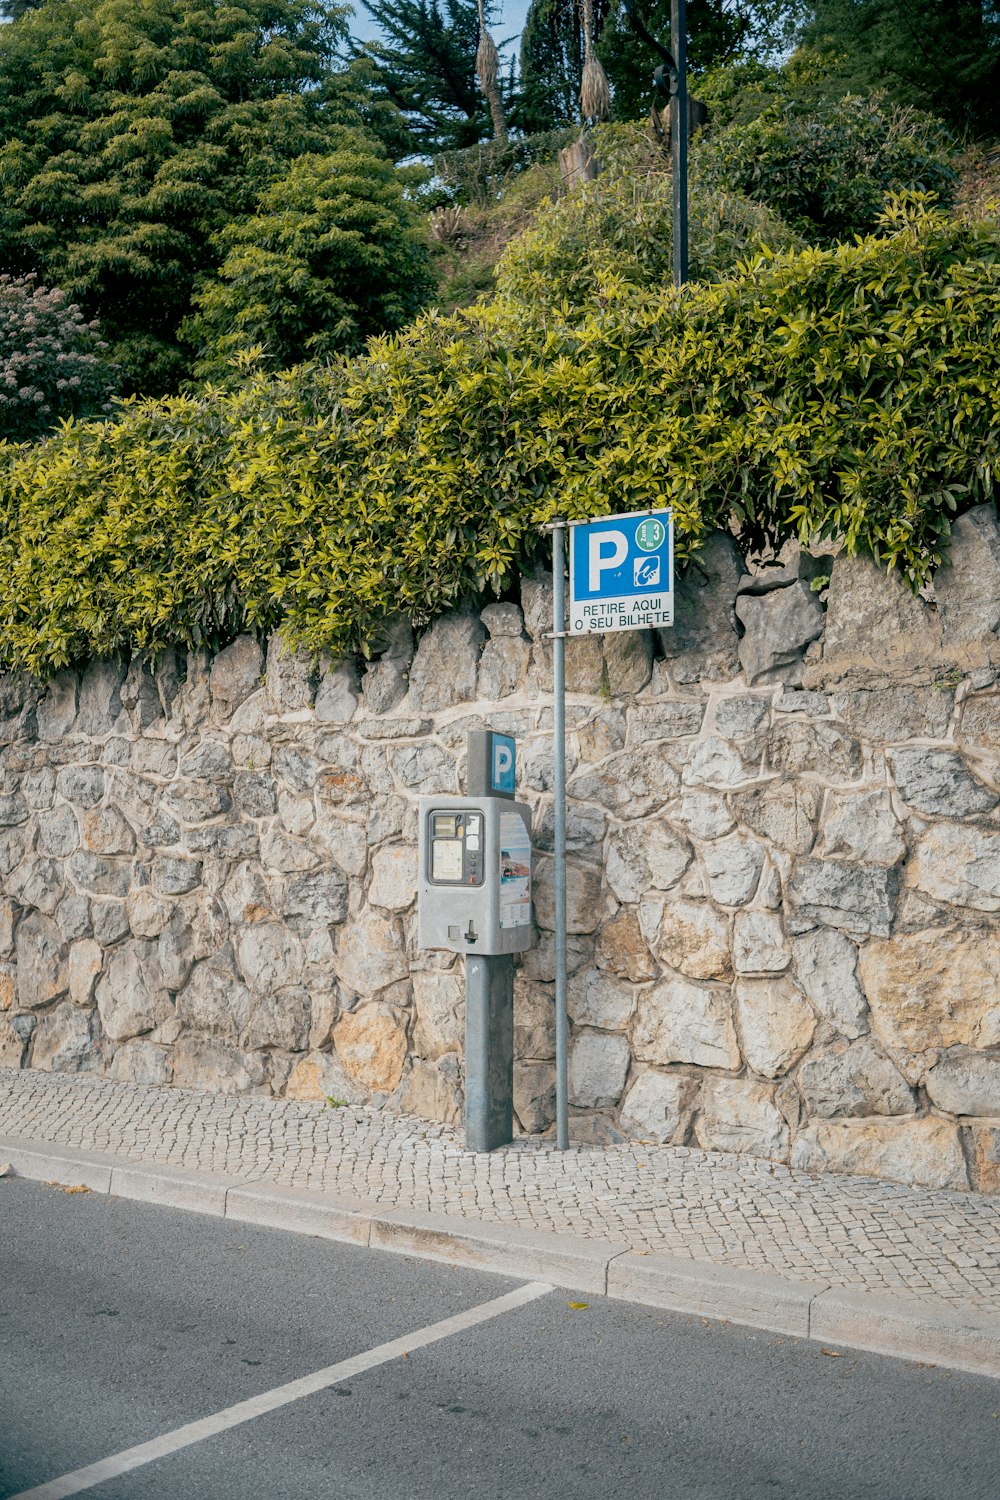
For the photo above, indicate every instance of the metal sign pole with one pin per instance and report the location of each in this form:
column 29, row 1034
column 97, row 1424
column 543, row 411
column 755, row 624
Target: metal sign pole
column 559, row 780
column 679, row 131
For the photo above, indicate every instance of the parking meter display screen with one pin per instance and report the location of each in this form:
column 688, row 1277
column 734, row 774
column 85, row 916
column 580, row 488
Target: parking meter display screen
column 446, row 859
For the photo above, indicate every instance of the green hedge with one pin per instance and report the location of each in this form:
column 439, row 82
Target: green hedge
column 853, row 391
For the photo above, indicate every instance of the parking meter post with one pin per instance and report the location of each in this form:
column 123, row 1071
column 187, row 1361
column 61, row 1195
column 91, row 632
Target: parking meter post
column 489, row 1051
column 489, row 980
column 559, row 786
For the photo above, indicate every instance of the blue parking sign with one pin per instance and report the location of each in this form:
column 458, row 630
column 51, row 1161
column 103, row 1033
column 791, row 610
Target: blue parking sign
column 621, row 573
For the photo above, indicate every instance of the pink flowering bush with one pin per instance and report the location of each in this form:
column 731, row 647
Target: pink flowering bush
column 52, row 362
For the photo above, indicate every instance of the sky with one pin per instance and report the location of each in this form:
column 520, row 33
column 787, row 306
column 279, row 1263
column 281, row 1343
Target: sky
column 509, row 20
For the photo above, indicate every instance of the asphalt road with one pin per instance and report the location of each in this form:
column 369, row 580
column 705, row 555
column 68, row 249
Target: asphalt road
column 120, row 1322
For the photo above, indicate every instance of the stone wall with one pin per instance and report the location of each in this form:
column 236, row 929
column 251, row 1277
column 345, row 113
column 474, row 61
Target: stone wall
column 785, row 867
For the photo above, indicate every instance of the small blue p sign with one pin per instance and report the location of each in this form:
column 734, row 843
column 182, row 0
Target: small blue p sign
column 503, row 772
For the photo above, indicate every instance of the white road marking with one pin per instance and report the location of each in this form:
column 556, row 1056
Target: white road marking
column 282, row 1395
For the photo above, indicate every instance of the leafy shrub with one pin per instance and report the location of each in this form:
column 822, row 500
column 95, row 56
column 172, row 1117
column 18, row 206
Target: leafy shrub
column 333, row 255
column 826, row 169
column 851, row 392
column 52, row 361
column 617, row 230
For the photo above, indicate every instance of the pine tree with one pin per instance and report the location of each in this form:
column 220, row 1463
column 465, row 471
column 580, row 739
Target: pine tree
column 942, row 55
column 427, row 64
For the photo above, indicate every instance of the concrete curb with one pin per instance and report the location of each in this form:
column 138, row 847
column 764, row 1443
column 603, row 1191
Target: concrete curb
column 901, row 1326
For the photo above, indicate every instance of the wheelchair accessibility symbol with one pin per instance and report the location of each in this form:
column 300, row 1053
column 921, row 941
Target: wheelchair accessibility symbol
column 647, row 572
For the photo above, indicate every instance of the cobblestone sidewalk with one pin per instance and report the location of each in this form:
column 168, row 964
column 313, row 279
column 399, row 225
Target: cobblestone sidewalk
column 850, row 1232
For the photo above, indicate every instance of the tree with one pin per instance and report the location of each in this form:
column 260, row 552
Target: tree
column 427, row 63
column 52, row 361
column 134, row 130
column 719, row 32
column 334, row 254
column 942, row 55
column 552, row 59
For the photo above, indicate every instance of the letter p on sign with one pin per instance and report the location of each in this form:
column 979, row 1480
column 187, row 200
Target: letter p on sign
column 607, row 549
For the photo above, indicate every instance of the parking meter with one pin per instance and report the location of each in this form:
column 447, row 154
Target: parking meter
column 475, row 875
column 474, row 897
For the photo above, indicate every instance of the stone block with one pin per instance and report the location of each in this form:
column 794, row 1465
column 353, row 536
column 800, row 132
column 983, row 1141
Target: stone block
column 632, row 784
column 371, row 954
column 313, row 902
column 694, row 939
column 702, row 815
column 503, row 666
column 584, row 896
column 887, row 713
column 534, row 1095
column 702, row 643
column 214, row 1002
column 923, row 1153
column 645, row 856
column 424, row 768
column 959, row 864
column 439, row 1004
column 598, row 1066
column 103, row 830
column 778, row 626
column 965, row 1083
column 622, row 949
column 658, row 1107
column 280, row 1018
column 254, row 793
column 984, row 1155
column 967, row 587
column 173, row 876
column 84, row 965
column 679, row 1022
column 815, row 747
column 733, row 866
column 858, row 898
column 433, row 1090
column 42, row 973
column 740, row 1115
column 718, row 763
column 445, row 666
column 297, row 813
column 863, row 828
column 759, row 943
column 875, row 624
column 596, row 999
column 939, row 783
column 270, row 958
column 853, row 1079
column 384, row 685
column 142, row 1062
column 196, row 801
column 82, row 785
column 665, row 719
column 130, row 995
column 56, row 711
column 980, row 726
column 65, row 1041
column 290, row 677
column 58, row 831
column 100, row 698
column 826, row 965
column 371, row 1046
column 776, row 1024
column 12, row 1045
column 236, row 674
column 210, row 1066
column 337, row 694
column 320, row 1076
column 628, row 661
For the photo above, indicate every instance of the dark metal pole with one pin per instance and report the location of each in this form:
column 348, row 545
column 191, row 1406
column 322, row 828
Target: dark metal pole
column 559, row 763
column 679, row 131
